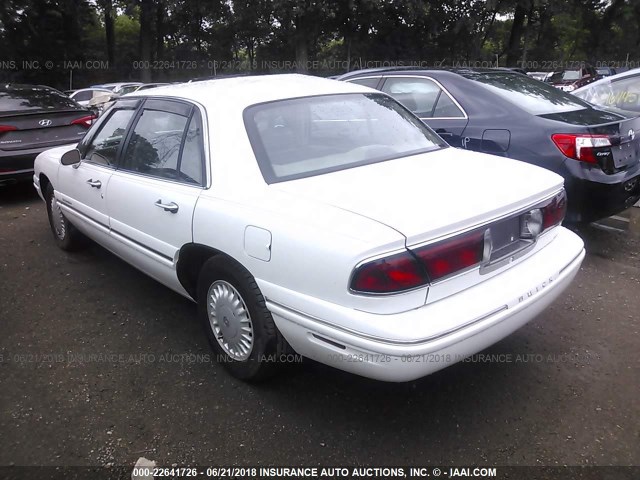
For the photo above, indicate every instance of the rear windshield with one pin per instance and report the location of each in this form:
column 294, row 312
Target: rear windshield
column 33, row 98
column 310, row 136
column 531, row 95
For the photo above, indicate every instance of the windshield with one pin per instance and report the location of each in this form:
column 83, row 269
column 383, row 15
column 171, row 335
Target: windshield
column 531, row 95
column 310, row 136
column 22, row 98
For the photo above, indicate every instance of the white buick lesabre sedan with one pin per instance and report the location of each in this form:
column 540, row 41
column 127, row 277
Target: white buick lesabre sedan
column 316, row 216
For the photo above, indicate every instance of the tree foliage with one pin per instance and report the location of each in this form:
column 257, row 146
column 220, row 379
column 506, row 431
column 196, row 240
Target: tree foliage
column 182, row 39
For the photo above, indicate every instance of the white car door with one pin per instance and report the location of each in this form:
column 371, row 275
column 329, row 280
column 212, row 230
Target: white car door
column 153, row 193
column 81, row 188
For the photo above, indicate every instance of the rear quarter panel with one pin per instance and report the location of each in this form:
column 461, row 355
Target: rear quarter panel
column 314, row 248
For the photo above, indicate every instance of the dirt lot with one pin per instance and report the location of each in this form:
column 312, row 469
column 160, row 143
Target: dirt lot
column 99, row 365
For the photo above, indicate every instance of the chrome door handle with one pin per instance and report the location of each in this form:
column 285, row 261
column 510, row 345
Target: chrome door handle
column 94, row 184
column 167, row 207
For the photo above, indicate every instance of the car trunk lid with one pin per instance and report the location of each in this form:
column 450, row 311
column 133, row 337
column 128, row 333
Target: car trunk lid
column 622, row 133
column 431, row 195
column 41, row 129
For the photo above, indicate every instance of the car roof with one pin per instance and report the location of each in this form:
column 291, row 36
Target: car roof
column 116, row 84
column 612, row 78
column 240, row 92
column 99, row 89
column 460, row 71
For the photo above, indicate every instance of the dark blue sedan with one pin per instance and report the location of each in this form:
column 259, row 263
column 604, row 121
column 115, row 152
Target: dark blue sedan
column 509, row 114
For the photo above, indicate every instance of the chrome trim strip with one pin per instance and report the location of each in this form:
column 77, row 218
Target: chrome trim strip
column 68, row 206
column 122, row 171
column 457, row 104
column 385, row 76
column 120, row 236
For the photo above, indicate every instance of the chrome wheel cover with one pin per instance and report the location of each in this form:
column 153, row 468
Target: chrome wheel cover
column 230, row 320
column 57, row 219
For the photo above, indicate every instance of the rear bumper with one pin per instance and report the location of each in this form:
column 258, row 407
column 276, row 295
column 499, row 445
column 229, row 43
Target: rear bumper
column 590, row 201
column 484, row 314
column 16, row 168
column 17, row 165
column 593, row 194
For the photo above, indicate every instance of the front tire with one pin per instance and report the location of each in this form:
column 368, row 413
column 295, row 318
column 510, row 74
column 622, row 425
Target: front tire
column 238, row 324
column 66, row 236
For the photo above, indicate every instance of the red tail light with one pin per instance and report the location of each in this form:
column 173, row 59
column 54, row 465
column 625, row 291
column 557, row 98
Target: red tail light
column 7, row 128
column 388, row 275
column 451, row 256
column 420, row 266
column 580, row 146
column 84, row 121
column 407, row 270
column 553, row 212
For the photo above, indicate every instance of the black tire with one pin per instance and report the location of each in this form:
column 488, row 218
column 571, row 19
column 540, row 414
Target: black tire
column 268, row 345
column 66, row 236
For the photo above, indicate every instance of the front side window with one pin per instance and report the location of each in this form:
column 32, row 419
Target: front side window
column 154, row 146
column 166, row 144
column 303, row 137
column 623, row 94
column 531, row 95
column 103, row 148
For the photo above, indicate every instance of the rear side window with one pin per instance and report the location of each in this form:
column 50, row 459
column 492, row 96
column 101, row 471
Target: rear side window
column 154, row 146
column 33, row 98
column 531, row 95
column 422, row 96
column 104, row 146
column 623, row 94
column 366, row 82
column 192, row 160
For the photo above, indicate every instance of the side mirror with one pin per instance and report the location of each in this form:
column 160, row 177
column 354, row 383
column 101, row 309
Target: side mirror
column 72, row 157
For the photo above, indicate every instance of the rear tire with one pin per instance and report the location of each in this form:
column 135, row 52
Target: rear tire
column 238, row 324
column 66, row 236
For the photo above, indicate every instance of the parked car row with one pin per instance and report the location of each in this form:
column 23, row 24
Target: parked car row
column 34, row 118
column 595, row 150
column 101, row 97
column 569, row 79
column 620, row 92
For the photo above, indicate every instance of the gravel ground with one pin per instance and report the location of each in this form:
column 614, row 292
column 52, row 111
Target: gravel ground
column 101, row 365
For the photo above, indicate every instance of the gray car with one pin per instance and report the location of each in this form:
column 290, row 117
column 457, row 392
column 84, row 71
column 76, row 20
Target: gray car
column 34, row 118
